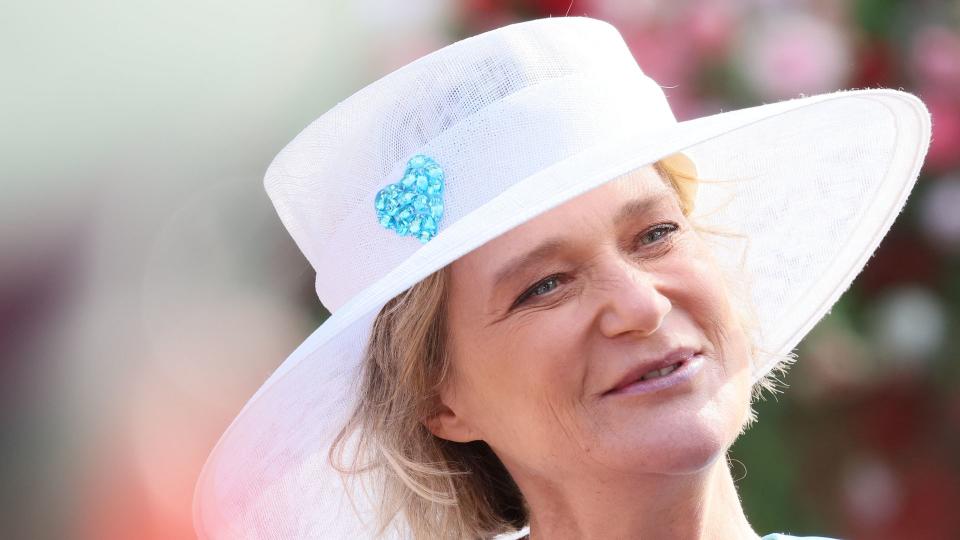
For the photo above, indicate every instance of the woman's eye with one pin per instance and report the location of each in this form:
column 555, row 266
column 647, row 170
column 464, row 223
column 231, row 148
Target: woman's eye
column 545, row 286
column 541, row 288
column 655, row 234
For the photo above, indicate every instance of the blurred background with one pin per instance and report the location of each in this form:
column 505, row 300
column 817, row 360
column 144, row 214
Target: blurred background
column 147, row 287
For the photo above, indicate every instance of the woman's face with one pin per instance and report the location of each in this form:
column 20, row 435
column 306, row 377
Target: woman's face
column 547, row 319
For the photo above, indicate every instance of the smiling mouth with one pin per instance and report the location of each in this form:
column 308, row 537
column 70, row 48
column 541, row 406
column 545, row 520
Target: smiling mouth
column 656, row 373
column 685, row 367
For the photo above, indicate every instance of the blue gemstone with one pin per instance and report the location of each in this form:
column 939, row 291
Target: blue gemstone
column 422, row 183
column 436, row 206
column 413, row 206
column 415, row 225
column 421, row 204
column 435, row 187
column 418, row 160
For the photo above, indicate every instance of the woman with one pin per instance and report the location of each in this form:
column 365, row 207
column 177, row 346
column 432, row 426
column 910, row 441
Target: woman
column 551, row 303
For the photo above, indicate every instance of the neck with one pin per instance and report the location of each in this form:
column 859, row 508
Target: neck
column 702, row 506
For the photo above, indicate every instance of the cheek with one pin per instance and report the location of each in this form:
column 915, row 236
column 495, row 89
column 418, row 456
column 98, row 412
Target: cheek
column 716, row 314
column 712, row 309
column 708, row 300
column 546, row 349
column 523, row 381
column 533, row 343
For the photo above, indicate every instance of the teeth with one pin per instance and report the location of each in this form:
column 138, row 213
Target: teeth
column 659, row 372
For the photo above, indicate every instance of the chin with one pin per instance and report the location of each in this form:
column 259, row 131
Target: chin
column 692, row 457
column 679, row 443
column 691, row 452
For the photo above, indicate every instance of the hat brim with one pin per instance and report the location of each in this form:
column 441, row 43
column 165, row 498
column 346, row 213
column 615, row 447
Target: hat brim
column 816, row 182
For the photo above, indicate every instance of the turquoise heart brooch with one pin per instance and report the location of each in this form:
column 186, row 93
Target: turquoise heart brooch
column 413, row 206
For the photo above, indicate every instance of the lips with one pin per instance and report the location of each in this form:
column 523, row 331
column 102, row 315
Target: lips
column 670, row 361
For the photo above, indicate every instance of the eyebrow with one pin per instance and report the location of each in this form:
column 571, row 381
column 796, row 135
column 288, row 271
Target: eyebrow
column 641, row 206
column 551, row 246
column 520, row 263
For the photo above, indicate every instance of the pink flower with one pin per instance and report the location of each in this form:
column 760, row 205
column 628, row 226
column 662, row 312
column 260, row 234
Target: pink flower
column 787, row 54
column 936, row 57
column 710, row 25
column 945, row 112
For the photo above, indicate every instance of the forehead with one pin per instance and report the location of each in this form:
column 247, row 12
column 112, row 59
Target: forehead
column 603, row 201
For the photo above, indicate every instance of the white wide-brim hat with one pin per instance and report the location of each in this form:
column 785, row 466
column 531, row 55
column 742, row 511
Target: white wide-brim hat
column 518, row 120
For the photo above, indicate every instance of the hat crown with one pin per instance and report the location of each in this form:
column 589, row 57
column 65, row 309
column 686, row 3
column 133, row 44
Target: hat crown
column 491, row 110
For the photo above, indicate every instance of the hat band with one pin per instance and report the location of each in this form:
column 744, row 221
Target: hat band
column 487, row 152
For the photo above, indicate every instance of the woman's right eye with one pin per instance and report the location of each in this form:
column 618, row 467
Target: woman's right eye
column 545, row 286
column 541, row 288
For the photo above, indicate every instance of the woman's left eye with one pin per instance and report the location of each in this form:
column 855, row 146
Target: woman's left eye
column 657, row 233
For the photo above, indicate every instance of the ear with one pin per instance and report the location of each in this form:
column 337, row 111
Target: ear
column 447, row 424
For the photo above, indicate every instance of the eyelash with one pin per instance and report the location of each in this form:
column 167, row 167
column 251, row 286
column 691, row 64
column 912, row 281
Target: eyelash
column 670, row 228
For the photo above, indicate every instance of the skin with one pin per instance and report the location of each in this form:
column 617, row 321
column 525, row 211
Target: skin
column 529, row 377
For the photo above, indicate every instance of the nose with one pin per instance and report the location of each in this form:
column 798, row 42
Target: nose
column 631, row 301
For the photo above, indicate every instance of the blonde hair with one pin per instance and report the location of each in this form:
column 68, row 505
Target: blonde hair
column 445, row 489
